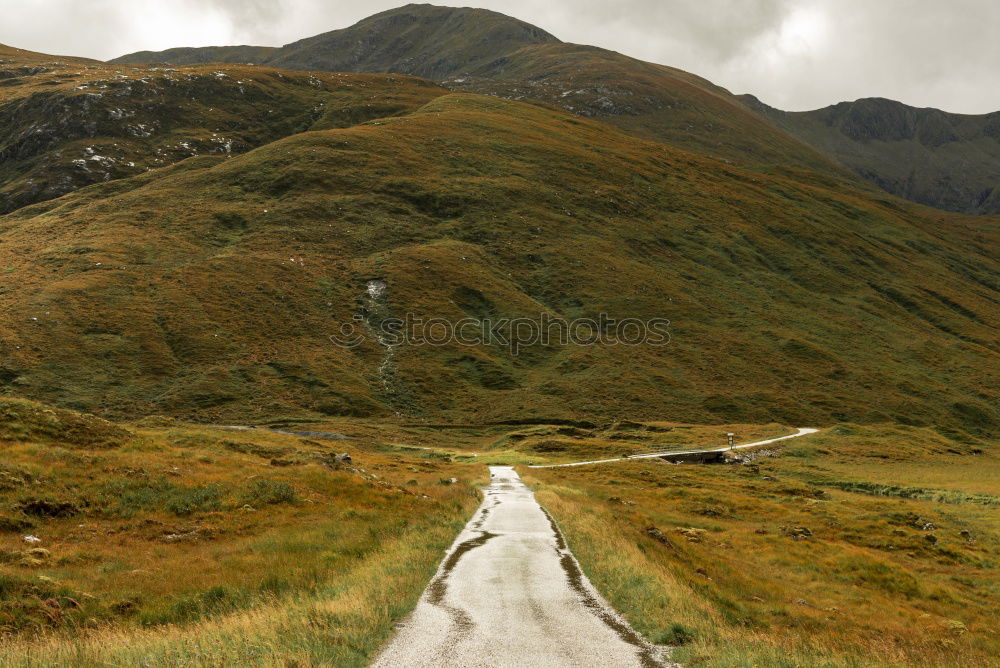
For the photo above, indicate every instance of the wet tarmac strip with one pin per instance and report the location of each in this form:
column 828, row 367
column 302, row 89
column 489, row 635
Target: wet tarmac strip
column 510, row 593
column 801, row 431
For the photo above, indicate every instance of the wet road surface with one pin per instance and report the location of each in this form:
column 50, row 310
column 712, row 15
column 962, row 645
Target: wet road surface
column 802, row 431
column 509, row 593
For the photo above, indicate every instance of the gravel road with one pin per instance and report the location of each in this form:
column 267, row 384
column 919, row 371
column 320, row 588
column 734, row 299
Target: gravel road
column 509, row 593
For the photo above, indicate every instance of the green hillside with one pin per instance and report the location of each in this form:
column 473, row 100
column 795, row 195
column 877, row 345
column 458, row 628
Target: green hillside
column 68, row 124
column 210, row 289
column 648, row 100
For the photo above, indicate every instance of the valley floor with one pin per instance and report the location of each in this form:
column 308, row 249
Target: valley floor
column 162, row 543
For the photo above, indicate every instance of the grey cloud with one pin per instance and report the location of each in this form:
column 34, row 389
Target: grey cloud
column 255, row 18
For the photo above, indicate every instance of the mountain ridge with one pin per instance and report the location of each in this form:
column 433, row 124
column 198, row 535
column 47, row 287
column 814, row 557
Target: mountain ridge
column 480, row 51
column 406, row 40
column 941, row 159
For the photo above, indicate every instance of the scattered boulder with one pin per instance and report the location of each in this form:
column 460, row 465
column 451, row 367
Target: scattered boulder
column 692, row 534
column 334, row 461
column 188, row 534
column 713, row 511
column 915, row 521
column 931, row 538
column 797, row 533
column 750, row 457
column 658, row 536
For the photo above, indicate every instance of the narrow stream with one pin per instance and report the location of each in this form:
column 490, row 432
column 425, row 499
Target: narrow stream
column 375, row 311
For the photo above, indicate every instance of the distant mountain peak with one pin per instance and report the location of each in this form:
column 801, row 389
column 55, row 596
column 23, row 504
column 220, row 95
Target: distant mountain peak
column 421, row 39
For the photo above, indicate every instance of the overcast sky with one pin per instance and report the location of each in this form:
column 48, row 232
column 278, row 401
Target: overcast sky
column 793, row 54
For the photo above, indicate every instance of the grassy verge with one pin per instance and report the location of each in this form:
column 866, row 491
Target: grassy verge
column 756, row 564
column 195, row 546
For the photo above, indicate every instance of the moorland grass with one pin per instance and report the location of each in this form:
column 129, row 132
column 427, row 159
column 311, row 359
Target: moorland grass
column 199, row 546
column 210, row 291
column 740, row 565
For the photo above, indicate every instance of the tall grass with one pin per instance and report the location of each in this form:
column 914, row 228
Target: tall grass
column 225, row 559
column 340, row 623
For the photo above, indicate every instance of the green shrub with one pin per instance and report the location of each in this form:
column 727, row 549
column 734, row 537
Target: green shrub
column 184, row 501
column 677, row 634
column 269, row 491
column 124, row 498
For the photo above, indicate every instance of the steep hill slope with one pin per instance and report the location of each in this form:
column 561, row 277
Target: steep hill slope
column 67, row 124
column 211, row 290
column 948, row 161
column 648, row 100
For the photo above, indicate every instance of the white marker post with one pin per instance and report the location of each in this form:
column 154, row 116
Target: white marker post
column 732, row 439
